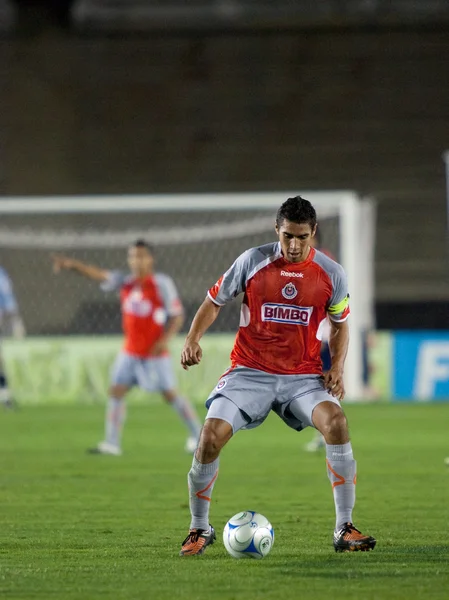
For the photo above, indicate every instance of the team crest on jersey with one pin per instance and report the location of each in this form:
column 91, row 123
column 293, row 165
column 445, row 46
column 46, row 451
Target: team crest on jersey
column 221, row 384
column 136, row 304
column 289, row 291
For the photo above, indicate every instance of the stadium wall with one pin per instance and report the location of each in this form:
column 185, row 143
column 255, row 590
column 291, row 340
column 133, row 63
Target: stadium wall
column 230, row 112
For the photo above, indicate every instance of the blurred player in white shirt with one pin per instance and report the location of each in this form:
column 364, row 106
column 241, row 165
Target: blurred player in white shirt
column 318, row 442
column 11, row 323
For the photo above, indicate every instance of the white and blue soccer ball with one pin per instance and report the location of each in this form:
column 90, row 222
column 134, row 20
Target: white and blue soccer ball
column 248, row 535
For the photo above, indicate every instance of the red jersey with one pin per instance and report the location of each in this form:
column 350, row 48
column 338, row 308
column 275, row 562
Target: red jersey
column 284, row 308
column 146, row 305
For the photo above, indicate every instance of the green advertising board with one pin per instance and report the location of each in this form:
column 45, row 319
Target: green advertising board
column 76, row 369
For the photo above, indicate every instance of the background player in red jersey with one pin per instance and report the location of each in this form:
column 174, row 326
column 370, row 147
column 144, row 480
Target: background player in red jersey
column 152, row 314
column 289, row 291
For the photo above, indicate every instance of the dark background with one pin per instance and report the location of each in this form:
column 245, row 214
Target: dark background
column 355, row 96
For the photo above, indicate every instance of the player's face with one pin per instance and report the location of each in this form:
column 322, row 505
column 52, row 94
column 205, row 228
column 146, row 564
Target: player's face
column 295, row 240
column 140, row 261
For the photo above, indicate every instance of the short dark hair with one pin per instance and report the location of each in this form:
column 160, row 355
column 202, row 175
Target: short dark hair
column 141, row 243
column 296, row 210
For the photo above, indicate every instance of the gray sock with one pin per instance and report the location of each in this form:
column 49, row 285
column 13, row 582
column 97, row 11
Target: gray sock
column 115, row 417
column 201, row 480
column 341, row 470
column 188, row 414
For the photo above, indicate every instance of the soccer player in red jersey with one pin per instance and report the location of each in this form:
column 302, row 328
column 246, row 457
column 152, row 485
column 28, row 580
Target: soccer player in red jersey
column 152, row 314
column 289, row 291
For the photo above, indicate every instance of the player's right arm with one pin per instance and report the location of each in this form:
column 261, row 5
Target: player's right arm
column 230, row 285
column 61, row 262
column 192, row 353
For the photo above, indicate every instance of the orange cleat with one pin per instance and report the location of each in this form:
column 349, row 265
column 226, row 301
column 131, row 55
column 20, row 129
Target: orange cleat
column 350, row 539
column 197, row 541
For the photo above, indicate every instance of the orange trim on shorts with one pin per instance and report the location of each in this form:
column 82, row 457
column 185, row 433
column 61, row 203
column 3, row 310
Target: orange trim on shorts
column 354, row 481
column 228, row 370
column 340, row 478
column 200, row 493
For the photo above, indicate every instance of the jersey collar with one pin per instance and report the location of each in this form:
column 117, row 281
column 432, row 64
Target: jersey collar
column 301, row 264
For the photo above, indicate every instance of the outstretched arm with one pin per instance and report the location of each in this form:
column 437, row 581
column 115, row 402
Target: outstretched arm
column 61, row 263
column 338, row 346
column 192, row 353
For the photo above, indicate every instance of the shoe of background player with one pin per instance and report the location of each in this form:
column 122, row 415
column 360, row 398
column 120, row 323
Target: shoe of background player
column 350, row 539
column 10, row 404
column 105, row 448
column 446, row 461
column 316, row 444
column 191, row 445
column 6, row 400
column 197, row 541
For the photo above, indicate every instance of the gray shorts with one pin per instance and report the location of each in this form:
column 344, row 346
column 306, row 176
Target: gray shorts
column 244, row 398
column 150, row 374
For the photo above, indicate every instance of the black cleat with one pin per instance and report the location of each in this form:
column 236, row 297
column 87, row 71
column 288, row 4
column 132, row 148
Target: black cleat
column 197, row 541
column 350, row 539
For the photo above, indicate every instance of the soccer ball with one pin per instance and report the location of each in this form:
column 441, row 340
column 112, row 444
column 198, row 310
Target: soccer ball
column 248, row 535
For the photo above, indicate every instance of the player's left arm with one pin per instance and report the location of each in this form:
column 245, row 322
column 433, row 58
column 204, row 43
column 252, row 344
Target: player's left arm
column 175, row 312
column 338, row 346
column 173, row 326
column 338, row 311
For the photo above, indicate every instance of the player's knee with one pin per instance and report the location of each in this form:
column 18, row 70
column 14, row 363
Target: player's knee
column 169, row 396
column 210, row 443
column 335, row 428
column 117, row 391
column 212, row 440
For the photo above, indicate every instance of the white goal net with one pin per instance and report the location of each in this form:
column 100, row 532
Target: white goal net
column 196, row 238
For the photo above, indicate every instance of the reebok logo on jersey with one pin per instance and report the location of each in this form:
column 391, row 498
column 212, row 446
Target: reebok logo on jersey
column 288, row 274
column 286, row 313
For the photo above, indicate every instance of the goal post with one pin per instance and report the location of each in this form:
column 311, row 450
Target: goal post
column 196, row 236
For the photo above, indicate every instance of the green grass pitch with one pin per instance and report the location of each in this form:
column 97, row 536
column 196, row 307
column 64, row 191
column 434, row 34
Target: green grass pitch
column 91, row 527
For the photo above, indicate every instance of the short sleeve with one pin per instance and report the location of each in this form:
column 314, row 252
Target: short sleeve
column 338, row 307
column 8, row 301
column 170, row 296
column 232, row 283
column 114, row 281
